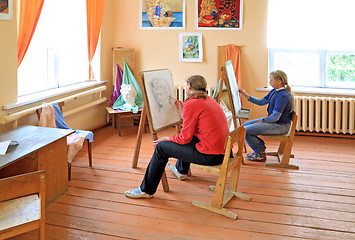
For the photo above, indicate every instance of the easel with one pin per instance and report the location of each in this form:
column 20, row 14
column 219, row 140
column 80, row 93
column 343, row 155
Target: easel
column 154, row 132
column 225, row 80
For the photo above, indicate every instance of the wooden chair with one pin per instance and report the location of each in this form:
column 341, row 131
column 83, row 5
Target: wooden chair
column 222, row 194
column 22, row 204
column 284, row 151
column 61, row 104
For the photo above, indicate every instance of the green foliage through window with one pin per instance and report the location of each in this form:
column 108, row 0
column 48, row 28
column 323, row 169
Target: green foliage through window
column 341, row 67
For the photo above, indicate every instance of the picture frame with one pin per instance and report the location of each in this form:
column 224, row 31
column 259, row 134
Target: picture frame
column 162, row 14
column 219, row 14
column 159, row 93
column 6, row 8
column 190, row 47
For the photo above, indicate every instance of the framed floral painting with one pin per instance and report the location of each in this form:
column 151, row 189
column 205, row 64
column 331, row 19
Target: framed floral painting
column 6, row 9
column 162, row 14
column 219, row 14
column 190, row 47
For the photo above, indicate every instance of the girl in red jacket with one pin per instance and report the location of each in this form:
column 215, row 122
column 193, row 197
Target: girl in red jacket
column 201, row 140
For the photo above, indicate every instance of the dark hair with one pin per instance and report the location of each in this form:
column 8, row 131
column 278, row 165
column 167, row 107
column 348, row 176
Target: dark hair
column 198, row 85
column 281, row 76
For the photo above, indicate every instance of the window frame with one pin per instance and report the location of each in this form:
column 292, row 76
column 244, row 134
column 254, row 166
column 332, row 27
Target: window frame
column 322, row 64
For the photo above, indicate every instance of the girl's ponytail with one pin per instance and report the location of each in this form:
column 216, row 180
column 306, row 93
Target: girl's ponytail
column 281, row 75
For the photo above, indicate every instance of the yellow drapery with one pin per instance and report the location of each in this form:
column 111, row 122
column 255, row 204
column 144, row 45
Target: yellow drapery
column 95, row 11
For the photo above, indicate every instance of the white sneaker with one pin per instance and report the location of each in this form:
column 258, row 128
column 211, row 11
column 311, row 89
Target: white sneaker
column 180, row 176
column 137, row 193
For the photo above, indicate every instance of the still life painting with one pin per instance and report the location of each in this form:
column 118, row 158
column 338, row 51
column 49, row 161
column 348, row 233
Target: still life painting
column 5, row 9
column 219, row 14
column 162, row 14
column 190, row 49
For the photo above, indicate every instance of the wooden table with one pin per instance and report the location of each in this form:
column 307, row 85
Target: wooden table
column 118, row 114
column 39, row 149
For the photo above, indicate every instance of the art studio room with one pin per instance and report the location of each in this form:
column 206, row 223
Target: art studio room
column 177, row 119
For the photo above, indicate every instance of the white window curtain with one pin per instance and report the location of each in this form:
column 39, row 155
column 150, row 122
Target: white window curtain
column 311, row 24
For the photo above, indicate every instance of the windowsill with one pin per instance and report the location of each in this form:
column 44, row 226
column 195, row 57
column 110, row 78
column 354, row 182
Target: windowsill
column 32, row 98
column 324, row 91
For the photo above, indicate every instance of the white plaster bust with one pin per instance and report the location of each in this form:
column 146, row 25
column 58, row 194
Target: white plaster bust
column 129, row 94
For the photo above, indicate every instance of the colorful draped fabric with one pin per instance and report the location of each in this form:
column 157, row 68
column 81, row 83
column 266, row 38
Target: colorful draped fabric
column 128, row 78
column 118, row 82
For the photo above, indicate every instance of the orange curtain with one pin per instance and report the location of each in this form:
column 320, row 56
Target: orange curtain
column 95, row 12
column 233, row 53
column 29, row 13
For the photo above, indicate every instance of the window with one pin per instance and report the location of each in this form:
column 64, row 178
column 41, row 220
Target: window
column 57, row 55
column 315, row 68
column 312, row 41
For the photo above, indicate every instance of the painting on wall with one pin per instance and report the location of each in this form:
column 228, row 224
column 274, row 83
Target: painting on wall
column 159, row 97
column 190, row 47
column 162, row 14
column 219, row 14
column 6, row 9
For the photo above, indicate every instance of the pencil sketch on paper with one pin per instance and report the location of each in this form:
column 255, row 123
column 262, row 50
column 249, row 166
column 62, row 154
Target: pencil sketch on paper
column 159, row 90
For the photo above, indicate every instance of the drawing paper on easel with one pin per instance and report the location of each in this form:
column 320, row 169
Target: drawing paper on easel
column 158, row 89
column 232, row 82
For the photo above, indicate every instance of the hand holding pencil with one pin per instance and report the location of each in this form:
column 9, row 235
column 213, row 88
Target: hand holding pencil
column 178, row 105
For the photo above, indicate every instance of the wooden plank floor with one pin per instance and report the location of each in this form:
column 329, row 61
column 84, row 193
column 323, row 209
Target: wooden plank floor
column 315, row 202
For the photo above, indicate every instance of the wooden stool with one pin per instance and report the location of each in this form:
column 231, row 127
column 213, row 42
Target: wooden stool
column 116, row 114
column 284, row 151
column 223, row 193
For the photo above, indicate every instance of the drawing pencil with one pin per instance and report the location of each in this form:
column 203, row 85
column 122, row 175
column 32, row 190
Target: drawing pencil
column 172, row 98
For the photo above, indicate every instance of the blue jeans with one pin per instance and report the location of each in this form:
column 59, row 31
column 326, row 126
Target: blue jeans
column 254, row 129
column 185, row 154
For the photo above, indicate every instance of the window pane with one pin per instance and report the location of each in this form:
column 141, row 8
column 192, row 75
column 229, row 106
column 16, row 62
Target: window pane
column 341, row 70
column 73, row 66
column 57, row 55
column 34, row 77
column 302, row 69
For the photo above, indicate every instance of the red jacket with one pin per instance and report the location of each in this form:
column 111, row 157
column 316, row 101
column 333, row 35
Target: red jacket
column 205, row 119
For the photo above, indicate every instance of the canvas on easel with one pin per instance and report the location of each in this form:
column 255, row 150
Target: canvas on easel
column 230, row 81
column 159, row 95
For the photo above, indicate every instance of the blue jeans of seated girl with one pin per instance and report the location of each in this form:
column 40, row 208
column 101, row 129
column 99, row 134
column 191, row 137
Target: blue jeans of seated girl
column 254, row 129
column 185, row 154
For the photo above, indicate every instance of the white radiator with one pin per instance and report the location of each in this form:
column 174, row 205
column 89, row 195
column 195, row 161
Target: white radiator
column 181, row 95
column 325, row 114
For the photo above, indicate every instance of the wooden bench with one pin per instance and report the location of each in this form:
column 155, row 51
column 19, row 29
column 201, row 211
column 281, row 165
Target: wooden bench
column 22, row 204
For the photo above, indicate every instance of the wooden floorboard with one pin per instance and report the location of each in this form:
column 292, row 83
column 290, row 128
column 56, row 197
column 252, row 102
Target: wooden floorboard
column 315, row 202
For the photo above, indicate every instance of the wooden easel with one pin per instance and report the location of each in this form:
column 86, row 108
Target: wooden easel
column 225, row 80
column 154, row 132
